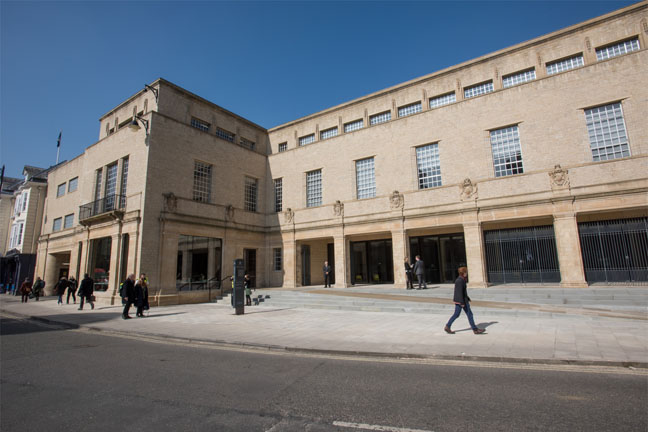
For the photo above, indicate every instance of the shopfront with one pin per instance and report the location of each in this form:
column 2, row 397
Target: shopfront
column 372, row 262
column 442, row 255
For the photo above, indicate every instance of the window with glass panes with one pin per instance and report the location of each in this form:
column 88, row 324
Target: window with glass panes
column 478, row 90
column 73, row 184
column 60, row 190
column 111, row 180
column 202, row 181
column 380, row 118
column 226, row 135
column 365, row 178
column 314, row 188
column 250, row 194
column 98, row 175
column 518, row 78
column 565, row 64
column 329, row 133
column 444, row 99
column 200, row 124
column 353, row 126
column 305, row 140
column 277, row 259
column 247, row 143
column 278, row 194
column 56, row 225
column 428, row 166
column 410, row 109
column 283, row 147
column 607, row 132
column 68, row 221
column 617, row 49
column 124, row 177
column 507, row 153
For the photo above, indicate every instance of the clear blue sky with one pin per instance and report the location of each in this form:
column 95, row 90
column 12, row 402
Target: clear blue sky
column 65, row 64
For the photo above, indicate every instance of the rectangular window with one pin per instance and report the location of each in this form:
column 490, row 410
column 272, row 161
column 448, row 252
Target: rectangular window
column 98, row 176
column 223, row 134
column 283, row 147
column 329, row 133
column 60, row 190
column 305, row 140
column 616, row 49
column 444, row 99
column 73, row 184
column 478, row 90
column 353, row 126
column 314, row 188
column 518, row 78
column 410, row 109
column 565, row 64
column 25, row 199
column 278, row 194
column 277, row 259
column 365, row 178
column 428, row 166
column 19, row 238
column 18, row 206
column 68, row 221
column 199, row 124
column 607, row 132
column 56, row 225
column 111, row 180
column 380, row 118
column 251, row 194
column 12, row 238
column 124, row 177
column 507, row 153
column 202, row 181
column 247, row 143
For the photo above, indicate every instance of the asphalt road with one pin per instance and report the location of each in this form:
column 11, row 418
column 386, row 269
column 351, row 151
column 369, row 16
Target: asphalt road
column 55, row 379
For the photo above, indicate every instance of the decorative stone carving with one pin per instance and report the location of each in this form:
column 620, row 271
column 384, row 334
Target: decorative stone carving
column 468, row 190
column 396, row 200
column 170, row 202
column 588, row 44
column 338, row 208
column 289, row 215
column 229, row 212
column 559, row 177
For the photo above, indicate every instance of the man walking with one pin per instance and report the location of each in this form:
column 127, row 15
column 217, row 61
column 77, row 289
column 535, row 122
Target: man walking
column 419, row 271
column 327, row 274
column 462, row 301
column 128, row 294
column 85, row 291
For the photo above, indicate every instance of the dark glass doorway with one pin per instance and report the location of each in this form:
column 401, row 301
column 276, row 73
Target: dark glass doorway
column 250, row 265
column 442, row 255
column 305, row 261
column 330, row 256
column 372, row 262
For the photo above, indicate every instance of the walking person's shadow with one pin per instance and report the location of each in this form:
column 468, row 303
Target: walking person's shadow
column 483, row 325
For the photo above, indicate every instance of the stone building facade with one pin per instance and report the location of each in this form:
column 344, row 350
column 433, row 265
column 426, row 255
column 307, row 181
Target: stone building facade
column 517, row 164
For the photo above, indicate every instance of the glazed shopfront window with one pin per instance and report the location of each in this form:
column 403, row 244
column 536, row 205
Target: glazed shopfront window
column 199, row 263
column 100, row 262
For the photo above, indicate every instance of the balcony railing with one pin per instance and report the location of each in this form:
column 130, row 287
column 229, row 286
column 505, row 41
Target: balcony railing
column 106, row 204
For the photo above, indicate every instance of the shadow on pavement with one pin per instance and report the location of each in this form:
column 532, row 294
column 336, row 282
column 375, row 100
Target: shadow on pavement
column 483, row 325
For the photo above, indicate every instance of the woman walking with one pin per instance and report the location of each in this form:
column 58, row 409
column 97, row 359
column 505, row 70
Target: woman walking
column 25, row 290
column 141, row 295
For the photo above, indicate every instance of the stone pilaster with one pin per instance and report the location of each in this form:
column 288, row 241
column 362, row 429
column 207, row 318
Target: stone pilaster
column 399, row 251
column 568, row 247
column 475, row 257
column 341, row 269
column 290, row 262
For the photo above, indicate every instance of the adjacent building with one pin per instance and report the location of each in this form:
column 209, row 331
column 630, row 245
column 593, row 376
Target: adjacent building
column 528, row 165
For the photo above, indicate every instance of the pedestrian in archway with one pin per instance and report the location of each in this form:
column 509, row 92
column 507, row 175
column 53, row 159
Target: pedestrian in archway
column 462, row 301
column 72, row 286
column 327, row 274
column 419, row 270
column 86, row 291
column 38, row 287
column 60, row 288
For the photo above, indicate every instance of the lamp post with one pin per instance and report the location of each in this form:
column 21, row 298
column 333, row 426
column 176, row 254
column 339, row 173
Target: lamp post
column 134, row 125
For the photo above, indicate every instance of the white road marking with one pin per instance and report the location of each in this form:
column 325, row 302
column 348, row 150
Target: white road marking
column 376, row 427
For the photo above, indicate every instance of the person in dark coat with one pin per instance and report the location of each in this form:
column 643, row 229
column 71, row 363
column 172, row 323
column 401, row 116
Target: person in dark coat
column 419, row 270
column 327, row 274
column 409, row 277
column 141, row 295
column 37, row 289
column 248, row 290
column 72, row 286
column 60, row 288
column 25, row 290
column 128, row 294
column 462, row 301
column 85, row 291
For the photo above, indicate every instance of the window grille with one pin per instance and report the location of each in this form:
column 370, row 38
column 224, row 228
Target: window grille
column 507, row 153
column 565, row 64
column 199, row 124
column 314, row 188
column 223, row 134
column 617, row 49
column 410, row 109
column 445, row 99
column 329, row 133
column 607, row 132
column 353, row 126
column 428, row 166
column 283, row 147
column 365, row 178
column 251, row 194
column 478, row 90
column 380, row 118
column 202, row 182
column 518, row 78
column 278, row 194
column 305, row 140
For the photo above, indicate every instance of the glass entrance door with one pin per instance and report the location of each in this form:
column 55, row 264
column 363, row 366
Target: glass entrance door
column 372, row 262
column 442, row 255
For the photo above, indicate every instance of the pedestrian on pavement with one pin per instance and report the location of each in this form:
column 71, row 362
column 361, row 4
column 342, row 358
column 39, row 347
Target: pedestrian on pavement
column 60, row 288
column 409, row 277
column 37, row 288
column 72, row 286
column 462, row 301
column 25, row 290
column 127, row 293
column 419, row 270
column 248, row 290
column 86, row 291
column 327, row 274
column 141, row 295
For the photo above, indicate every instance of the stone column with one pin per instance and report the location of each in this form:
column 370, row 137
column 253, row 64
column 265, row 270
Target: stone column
column 572, row 274
column 340, row 251
column 475, row 257
column 115, row 256
column 51, row 273
column 289, row 261
column 399, row 246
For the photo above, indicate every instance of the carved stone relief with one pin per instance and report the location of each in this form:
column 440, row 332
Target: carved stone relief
column 289, row 215
column 396, row 200
column 559, row 177
column 338, row 208
column 170, row 202
column 468, row 190
column 229, row 212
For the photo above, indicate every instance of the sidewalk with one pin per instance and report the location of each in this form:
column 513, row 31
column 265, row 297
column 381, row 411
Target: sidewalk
column 602, row 333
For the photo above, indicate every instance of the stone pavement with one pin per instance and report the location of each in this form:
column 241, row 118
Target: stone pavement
column 604, row 331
